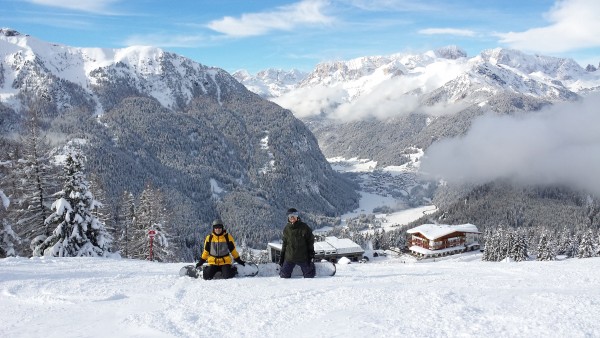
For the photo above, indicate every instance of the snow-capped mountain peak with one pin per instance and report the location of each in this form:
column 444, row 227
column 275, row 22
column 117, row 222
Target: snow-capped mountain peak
column 270, row 82
column 35, row 65
column 360, row 87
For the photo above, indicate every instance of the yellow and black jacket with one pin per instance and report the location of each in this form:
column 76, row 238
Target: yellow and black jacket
column 218, row 249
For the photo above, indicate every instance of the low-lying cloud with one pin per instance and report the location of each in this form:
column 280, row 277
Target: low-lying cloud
column 383, row 98
column 313, row 101
column 559, row 145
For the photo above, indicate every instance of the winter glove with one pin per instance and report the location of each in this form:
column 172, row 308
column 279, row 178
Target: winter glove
column 199, row 264
column 240, row 261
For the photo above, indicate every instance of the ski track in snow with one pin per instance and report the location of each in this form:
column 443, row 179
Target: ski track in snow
column 390, row 296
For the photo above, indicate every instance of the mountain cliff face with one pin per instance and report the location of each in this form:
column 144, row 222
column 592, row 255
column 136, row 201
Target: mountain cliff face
column 191, row 130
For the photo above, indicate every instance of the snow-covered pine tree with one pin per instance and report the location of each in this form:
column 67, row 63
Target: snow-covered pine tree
column 487, row 245
column 245, row 253
column 124, row 223
column 8, row 238
column 519, row 250
column 506, row 243
column 592, row 209
column 152, row 214
column 567, row 245
column 34, row 179
column 102, row 211
column 77, row 231
column 586, row 246
column 546, row 250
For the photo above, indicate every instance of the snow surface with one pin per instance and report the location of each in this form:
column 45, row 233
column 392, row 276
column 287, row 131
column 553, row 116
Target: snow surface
column 459, row 296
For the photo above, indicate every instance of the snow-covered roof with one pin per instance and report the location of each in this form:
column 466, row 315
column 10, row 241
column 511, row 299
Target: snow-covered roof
column 323, row 246
column 433, row 231
column 338, row 245
column 342, row 245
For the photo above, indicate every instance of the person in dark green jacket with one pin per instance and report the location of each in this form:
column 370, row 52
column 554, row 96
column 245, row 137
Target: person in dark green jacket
column 298, row 247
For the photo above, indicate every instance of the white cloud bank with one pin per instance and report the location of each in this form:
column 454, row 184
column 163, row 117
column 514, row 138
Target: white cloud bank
column 313, row 101
column 574, row 24
column 559, row 145
column 307, row 12
column 375, row 96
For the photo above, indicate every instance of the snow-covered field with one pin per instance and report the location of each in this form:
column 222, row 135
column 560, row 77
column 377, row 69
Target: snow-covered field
column 387, row 297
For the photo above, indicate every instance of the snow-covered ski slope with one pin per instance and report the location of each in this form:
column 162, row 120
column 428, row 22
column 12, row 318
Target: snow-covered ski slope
column 387, row 297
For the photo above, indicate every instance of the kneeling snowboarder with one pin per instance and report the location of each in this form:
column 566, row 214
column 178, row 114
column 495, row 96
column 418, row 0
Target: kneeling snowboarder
column 218, row 249
column 298, row 247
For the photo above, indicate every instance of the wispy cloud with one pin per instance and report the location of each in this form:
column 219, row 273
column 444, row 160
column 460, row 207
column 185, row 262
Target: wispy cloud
column 54, row 20
column 560, row 145
column 92, row 6
column 395, row 5
column 575, row 24
column 304, row 13
column 447, row 31
column 167, row 40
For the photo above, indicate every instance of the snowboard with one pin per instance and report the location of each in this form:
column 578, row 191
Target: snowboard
column 248, row 270
column 323, row 269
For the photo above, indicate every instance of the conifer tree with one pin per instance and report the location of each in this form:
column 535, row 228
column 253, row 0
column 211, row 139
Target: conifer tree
column 592, row 209
column 77, row 232
column 586, row 246
column 568, row 244
column 519, row 250
column 152, row 214
column 505, row 240
column 102, row 211
column 125, row 221
column 488, row 245
column 546, row 250
column 34, row 178
column 8, row 238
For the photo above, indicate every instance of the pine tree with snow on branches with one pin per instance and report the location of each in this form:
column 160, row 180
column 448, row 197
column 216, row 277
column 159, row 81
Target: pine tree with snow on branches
column 8, row 238
column 546, row 250
column 586, row 246
column 78, row 232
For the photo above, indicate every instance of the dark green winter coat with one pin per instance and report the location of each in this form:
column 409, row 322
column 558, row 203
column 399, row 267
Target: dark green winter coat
column 298, row 242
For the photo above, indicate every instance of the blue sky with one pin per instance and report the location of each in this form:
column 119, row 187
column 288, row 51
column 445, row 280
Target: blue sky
column 259, row 34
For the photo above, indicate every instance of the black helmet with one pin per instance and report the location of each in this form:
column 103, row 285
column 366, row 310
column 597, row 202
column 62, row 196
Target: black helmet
column 217, row 223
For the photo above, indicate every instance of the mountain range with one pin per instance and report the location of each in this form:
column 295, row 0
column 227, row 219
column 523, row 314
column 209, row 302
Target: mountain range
column 384, row 108
column 392, row 103
column 145, row 116
column 247, row 147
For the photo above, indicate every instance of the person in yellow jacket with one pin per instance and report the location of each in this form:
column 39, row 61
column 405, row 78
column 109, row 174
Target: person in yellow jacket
column 218, row 249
